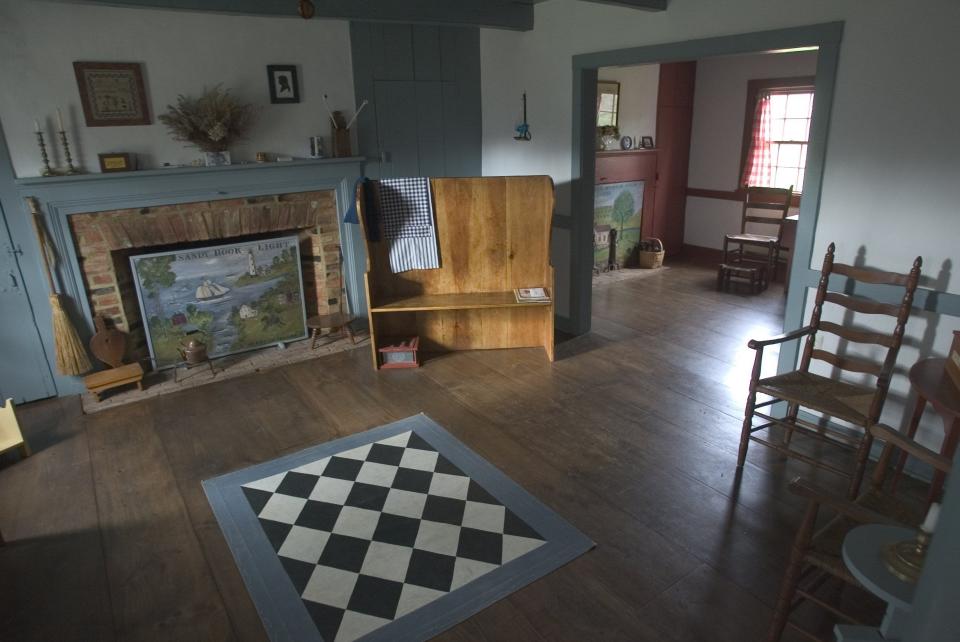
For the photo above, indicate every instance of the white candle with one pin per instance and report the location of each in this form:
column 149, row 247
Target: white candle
column 36, row 126
column 930, row 523
column 60, row 120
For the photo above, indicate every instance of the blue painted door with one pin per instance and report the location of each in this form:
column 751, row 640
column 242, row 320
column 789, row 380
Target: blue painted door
column 24, row 372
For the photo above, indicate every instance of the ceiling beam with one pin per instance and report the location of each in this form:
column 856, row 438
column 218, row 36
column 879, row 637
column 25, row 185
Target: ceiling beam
column 646, row 5
column 495, row 14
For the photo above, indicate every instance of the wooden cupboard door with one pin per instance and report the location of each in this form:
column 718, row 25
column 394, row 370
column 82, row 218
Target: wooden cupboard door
column 674, row 123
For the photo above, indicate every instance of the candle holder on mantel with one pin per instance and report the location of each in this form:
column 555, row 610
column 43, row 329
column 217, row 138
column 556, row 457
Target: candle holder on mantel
column 71, row 170
column 46, row 171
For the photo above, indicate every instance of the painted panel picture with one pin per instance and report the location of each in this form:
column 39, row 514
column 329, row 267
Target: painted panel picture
column 240, row 297
column 616, row 213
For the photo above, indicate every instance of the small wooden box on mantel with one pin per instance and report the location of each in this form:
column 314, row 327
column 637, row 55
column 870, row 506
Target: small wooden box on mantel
column 953, row 359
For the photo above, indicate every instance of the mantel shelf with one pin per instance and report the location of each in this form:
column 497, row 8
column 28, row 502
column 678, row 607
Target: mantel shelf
column 461, row 301
column 32, row 181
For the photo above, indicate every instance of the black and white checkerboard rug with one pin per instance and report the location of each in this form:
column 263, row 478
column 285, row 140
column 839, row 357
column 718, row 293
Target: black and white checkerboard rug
column 396, row 533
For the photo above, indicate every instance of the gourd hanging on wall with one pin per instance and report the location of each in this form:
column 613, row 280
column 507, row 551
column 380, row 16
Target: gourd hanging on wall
column 523, row 129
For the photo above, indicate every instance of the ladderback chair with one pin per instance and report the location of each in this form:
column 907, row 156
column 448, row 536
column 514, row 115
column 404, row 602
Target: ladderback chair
column 763, row 208
column 816, row 561
column 853, row 403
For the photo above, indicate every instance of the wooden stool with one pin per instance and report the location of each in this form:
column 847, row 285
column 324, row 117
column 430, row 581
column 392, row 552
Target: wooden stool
column 333, row 321
column 755, row 275
column 934, row 386
column 104, row 380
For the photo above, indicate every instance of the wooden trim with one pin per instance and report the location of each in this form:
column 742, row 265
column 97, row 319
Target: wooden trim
column 700, row 254
column 736, row 195
column 754, row 87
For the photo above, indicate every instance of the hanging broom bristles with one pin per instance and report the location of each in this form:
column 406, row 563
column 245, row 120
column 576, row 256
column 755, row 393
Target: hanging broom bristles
column 71, row 355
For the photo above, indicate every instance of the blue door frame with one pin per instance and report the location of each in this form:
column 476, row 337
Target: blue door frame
column 826, row 37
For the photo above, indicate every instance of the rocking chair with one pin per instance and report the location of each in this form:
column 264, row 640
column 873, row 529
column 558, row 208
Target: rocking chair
column 815, row 559
column 852, row 403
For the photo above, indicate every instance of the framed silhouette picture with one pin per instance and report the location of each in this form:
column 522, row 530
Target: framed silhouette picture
column 284, row 87
column 112, row 93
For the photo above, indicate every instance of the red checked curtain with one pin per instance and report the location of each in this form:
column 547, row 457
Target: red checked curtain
column 759, row 167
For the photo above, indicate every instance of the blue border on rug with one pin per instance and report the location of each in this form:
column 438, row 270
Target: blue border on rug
column 280, row 607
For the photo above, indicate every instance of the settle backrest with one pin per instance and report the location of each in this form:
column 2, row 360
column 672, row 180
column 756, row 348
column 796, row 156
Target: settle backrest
column 493, row 234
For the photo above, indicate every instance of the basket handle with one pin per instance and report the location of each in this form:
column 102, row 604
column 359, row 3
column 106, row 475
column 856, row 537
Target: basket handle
column 653, row 238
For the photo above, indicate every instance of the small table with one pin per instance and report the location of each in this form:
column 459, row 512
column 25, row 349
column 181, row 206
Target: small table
column 333, row 321
column 862, row 549
column 934, row 386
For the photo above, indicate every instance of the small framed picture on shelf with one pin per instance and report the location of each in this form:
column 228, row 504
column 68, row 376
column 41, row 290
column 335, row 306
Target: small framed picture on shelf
column 117, row 162
column 646, row 142
column 112, row 93
column 284, row 88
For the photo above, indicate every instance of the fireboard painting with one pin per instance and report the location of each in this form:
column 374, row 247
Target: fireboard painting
column 617, row 207
column 232, row 297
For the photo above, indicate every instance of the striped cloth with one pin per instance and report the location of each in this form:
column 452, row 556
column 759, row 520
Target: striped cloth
column 406, row 213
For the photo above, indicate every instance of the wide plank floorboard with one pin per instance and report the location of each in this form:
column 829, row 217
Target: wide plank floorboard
column 631, row 435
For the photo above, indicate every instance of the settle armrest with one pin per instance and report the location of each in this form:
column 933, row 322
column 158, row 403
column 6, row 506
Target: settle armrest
column 756, row 344
column 911, row 447
column 854, row 511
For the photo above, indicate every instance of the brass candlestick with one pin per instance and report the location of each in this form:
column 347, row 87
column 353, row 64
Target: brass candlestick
column 66, row 153
column 43, row 154
column 905, row 559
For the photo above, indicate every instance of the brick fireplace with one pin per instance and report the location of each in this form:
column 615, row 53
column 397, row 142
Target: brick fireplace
column 106, row 240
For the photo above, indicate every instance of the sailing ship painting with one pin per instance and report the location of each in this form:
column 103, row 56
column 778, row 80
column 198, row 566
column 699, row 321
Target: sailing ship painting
column 240, row 296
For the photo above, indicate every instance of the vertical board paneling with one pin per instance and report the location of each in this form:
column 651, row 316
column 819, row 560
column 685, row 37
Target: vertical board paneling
column 397, row 127
column 430, row 130
column 437, row 126
column 24, row 372
column 393, row 48
column 426, row 53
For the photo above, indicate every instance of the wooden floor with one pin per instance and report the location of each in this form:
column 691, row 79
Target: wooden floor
column 631, row 435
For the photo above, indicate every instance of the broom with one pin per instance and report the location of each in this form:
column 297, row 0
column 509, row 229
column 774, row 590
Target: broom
column 71, row 355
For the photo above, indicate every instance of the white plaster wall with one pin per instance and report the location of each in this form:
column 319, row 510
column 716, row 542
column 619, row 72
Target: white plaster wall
column 181, row 52
column 891, row 165
column 718, row 108
column 638, row 98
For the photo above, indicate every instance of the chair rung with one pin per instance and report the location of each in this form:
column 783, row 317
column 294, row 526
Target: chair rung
column 816, row 600
column 765, row 403
column 788, row 452
column 805, row 633
column 754, row 429
column 812, row 430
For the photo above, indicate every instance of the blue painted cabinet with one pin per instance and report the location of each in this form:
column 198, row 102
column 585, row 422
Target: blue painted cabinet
column 24, row 373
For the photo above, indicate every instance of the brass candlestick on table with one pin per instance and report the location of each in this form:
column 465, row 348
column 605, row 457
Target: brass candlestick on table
column 46, row 171
column 66, row 153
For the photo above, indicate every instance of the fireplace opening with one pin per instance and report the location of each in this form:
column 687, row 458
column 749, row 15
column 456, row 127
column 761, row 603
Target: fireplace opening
column 106, row 241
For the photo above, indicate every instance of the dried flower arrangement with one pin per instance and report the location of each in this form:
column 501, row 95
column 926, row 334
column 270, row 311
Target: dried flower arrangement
column 212, row 122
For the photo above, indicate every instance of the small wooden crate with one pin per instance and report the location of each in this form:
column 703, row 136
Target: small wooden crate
column 400, row 353
column 650, row 254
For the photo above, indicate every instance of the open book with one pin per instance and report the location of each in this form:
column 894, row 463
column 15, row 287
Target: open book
column 532, row 295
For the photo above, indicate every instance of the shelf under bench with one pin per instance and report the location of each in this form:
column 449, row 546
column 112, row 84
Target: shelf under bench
column 461, row 301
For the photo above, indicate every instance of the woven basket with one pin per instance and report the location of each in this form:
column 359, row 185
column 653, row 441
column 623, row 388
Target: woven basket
column 651, row 253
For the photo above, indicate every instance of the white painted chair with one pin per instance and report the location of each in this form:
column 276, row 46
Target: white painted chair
column 10, row 435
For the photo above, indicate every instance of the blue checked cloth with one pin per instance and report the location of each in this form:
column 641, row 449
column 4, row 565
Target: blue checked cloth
column 406, row 214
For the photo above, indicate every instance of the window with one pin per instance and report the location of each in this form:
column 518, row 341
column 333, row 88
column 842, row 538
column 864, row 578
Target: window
column 776, row 132
column 608, row 103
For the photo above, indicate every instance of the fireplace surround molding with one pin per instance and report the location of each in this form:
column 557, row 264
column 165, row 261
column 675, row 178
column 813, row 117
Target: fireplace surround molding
column 323, row 188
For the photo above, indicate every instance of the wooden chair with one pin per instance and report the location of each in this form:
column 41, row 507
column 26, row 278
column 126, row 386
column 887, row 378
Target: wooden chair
column 855, row 404
column 815, row 558
column 775, row 203
column 10, row 435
